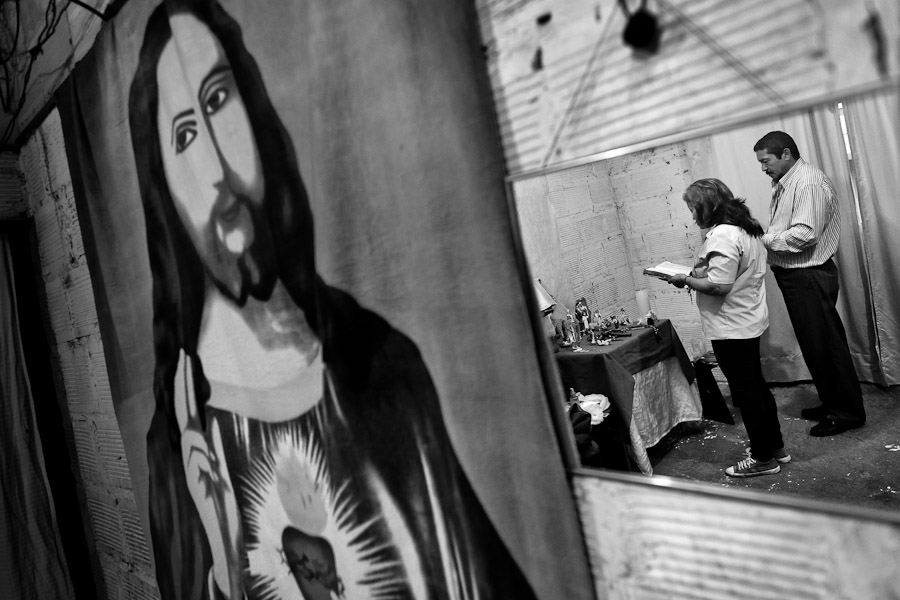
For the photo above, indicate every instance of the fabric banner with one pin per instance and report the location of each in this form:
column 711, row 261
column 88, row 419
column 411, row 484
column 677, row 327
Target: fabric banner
column 320, row 352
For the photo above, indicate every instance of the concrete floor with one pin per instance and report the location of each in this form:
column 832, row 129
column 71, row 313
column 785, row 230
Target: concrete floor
column 860, row 467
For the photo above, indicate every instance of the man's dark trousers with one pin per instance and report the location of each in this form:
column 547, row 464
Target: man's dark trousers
column 810, row 294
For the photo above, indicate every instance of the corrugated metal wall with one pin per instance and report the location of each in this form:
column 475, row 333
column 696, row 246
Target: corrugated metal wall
column 114, row 520
column 657, row 543
column 566, row 86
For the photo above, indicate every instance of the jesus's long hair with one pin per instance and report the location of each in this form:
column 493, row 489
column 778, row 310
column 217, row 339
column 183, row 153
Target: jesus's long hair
column 180, row 284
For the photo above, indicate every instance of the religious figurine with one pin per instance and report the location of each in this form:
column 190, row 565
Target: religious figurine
column 562, row 333
column 571, row 328
column 606, row 323
column 583, row 315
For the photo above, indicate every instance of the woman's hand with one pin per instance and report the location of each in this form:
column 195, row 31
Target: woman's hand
column 678, row 280
column 701, row 285
column 206, row 474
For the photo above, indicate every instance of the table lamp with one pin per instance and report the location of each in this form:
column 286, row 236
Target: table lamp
column 544, row 299
column 546, row 304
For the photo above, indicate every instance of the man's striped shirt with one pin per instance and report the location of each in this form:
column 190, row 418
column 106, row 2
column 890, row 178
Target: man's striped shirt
column 804, row 219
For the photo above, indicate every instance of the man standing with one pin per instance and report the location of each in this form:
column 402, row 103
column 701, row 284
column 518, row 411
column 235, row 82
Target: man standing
column 803, row 234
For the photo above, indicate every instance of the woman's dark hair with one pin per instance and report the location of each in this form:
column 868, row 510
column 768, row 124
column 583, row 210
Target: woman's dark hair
column 714, row 204
column 775, row 142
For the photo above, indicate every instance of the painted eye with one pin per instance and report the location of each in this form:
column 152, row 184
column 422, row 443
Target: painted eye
column 215, row 100
column 184, row 136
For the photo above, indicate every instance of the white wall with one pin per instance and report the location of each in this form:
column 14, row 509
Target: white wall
column 114, row 522
column 718, row 61
column 590, row 231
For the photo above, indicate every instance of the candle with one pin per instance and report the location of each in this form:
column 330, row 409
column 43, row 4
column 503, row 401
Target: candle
column 643, row 302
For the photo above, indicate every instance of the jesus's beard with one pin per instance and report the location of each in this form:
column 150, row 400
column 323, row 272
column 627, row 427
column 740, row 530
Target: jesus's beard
column 239, row 254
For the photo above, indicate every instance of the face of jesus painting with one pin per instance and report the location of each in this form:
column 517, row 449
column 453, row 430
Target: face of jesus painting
column 210, row 157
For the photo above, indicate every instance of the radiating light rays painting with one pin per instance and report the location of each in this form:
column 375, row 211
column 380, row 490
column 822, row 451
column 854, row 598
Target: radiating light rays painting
column 303, row 535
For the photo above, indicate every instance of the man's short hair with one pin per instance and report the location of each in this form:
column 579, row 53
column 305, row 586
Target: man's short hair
column 775, row 142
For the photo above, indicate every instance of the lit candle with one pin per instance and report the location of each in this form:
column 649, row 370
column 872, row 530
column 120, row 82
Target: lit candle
column 643, row 302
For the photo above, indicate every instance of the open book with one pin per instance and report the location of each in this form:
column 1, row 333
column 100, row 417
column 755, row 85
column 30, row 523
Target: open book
column 666, row 269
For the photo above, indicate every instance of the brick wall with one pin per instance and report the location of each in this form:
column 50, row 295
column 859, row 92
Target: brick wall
column 591, row 230
column 12, row 188
column 114, row 524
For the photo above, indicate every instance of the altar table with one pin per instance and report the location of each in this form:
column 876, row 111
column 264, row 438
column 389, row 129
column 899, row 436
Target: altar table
column 648, row 378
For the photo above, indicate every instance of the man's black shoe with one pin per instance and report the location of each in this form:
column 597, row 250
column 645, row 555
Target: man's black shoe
column 830, row 427
column 816, row 413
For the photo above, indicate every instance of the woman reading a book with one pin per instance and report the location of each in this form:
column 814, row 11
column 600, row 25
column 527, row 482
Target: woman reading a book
column 728, row 277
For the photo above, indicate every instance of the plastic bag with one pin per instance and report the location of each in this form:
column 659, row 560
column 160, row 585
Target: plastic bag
column 597, row 405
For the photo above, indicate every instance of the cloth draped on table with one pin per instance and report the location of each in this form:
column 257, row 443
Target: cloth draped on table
column 648, row 378
column 597, row 376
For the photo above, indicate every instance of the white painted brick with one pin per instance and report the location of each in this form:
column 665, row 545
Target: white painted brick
column 13, row 204
column 114, row 522
column 80, row 300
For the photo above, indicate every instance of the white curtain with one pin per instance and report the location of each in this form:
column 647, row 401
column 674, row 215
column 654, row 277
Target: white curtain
column 826, row 149
column 868, row 271
column 874, row 123
column 32, row 563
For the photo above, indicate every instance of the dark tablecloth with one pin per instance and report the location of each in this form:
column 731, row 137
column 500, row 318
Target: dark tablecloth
column 608, row 370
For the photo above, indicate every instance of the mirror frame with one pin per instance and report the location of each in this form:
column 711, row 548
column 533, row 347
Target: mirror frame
column 550, row 374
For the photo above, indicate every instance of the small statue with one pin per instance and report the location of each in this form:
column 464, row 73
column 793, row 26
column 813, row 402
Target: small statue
column 571, row 328
column 583, row 314
column 559, row 326
column 625, row 320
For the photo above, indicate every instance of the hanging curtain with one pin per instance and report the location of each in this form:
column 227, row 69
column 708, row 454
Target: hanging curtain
column 734, row 162
column 32, row 563
column 288, row 208
column 825, row 148
column 818, row 136
column 874, row 123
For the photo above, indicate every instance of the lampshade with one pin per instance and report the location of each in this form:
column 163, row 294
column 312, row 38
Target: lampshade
column 544, row 299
